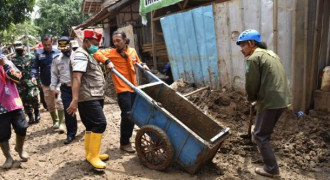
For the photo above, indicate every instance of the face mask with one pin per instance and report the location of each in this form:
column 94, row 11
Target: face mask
column 19, row 52
column 92, row 49
column 67, row 53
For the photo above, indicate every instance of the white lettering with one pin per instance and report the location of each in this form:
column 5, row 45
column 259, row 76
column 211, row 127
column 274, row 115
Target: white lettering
column 150, row 2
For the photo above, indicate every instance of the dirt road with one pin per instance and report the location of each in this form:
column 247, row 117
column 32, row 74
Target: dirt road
column 51, row 159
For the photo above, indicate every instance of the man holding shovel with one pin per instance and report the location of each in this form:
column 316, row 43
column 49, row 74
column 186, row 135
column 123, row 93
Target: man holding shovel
column 267, row 84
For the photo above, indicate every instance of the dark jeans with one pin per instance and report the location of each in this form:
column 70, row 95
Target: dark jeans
column 265, row 123
column 15, row 118
column 70, row 121
column 92, row 115
column 125, row 101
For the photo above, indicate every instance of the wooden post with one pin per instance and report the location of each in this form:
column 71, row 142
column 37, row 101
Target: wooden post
column 153, row 36
column 275, row 24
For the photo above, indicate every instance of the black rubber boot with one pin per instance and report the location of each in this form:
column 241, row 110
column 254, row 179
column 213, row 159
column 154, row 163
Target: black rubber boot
column 37, row 115
column 31, row 119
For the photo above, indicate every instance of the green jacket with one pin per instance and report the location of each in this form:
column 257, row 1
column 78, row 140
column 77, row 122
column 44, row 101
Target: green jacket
column 266, row 81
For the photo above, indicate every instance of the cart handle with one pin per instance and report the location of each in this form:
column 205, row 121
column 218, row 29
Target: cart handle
column 147, row 72
column 137, row 90
column 124, row 79
column 220, row 135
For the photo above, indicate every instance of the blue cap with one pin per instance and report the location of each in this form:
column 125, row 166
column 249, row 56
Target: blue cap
column 247, row 35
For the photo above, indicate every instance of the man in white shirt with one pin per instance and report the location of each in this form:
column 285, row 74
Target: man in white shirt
column 60, row 72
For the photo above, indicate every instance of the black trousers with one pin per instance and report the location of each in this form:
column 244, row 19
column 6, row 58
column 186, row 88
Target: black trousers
column 70, row 121
column 125, row 102
column 264, row 126
column 15, row 118
column 92, row 115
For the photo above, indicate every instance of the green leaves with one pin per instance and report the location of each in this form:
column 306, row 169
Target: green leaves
column 57, row 16
column 14, row 11
column 16, row 31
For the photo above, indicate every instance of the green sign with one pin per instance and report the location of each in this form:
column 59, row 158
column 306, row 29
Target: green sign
column 147, row 6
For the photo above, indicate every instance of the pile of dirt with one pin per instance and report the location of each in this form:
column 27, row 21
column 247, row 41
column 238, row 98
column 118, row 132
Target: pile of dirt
column 301, row 144
column 182, row 86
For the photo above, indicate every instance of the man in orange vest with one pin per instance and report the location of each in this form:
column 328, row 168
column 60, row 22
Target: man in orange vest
column 123, row 58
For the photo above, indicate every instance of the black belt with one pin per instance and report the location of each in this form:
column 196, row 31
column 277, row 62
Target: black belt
column 66, row 85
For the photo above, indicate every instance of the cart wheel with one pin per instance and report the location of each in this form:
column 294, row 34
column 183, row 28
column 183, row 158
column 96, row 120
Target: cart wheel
column 153, row 147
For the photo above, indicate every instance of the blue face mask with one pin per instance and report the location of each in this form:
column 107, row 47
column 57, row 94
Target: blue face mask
column 93, row 49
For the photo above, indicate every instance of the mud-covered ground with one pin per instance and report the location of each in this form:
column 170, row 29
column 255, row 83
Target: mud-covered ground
column 301, row 146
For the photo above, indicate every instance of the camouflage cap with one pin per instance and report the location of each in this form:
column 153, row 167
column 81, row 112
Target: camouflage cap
column 18, row 45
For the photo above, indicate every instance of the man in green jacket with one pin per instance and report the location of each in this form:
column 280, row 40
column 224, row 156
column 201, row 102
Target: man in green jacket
column 267, row 84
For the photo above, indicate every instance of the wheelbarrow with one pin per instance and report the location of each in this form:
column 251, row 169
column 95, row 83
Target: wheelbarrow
column 172, row 129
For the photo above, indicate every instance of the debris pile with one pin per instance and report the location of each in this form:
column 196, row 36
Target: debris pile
column 301, row 144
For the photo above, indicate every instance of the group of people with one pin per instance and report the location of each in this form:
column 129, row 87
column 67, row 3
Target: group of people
column 73, row 81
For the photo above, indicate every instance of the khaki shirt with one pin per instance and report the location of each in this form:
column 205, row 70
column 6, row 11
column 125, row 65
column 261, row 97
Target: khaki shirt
column 266, row 81
column 92, row 80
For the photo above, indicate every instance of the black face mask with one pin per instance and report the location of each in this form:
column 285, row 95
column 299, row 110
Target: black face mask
column 20, row 52
column 67, row 53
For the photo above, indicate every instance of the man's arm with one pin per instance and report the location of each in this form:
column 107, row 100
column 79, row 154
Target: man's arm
column 252, row 84
column 103, row 56
column 54, row 75
column 76, row 83
column 11, row 71
column 35, row 69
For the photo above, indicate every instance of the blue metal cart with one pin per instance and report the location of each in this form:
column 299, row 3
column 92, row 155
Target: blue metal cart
column 172, row 129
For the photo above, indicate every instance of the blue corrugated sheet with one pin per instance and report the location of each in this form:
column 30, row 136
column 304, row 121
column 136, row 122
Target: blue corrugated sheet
column 191, row 46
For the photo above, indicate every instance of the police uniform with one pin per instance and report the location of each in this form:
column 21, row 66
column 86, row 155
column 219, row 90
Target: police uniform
column 60, row 72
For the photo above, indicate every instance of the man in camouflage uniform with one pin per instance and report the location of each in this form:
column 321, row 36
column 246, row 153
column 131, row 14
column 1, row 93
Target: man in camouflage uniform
column 28, row 91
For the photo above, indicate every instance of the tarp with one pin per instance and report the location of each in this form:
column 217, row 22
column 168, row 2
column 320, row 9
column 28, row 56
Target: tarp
column 147, row 6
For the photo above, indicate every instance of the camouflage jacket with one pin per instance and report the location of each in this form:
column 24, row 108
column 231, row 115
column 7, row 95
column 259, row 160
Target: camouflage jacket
column 24, row 64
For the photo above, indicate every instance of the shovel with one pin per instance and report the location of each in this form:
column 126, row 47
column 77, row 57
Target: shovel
column 248, row 135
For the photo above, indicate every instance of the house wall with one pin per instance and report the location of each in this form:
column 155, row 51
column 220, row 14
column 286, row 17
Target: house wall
column 298, row 31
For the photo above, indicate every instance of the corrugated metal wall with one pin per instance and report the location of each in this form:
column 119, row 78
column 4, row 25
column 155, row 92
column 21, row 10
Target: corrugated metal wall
column 191, row 46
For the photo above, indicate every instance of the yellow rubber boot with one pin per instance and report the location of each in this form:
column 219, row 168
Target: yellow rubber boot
column 103, row 157
column 94, row 149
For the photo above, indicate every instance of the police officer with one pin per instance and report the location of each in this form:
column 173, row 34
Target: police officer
column 61, row 72
column 267, row 84
column 28, row 91
column 43, row 61
column 11, row 113
column 88, row 97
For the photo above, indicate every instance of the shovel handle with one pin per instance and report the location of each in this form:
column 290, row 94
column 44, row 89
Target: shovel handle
column 251, row 117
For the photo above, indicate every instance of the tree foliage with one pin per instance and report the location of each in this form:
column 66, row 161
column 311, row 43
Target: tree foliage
column 23, row 31
column 57, row 16
column 14, row 11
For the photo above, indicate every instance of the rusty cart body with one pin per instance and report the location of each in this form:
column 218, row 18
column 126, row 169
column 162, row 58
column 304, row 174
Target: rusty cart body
column 172, row 129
